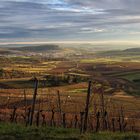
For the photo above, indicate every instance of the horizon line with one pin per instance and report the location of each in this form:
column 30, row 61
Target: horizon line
column 124, row 42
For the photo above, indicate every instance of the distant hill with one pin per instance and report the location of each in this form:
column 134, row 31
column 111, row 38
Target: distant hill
column 126, row 52
column 136, row 50
column 4, row 51
column 39, row 48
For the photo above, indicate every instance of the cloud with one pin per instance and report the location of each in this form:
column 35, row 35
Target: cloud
column 92, row 30
column 69, row 19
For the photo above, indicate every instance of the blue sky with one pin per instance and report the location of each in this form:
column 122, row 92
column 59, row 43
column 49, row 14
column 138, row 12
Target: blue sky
column 69, row 20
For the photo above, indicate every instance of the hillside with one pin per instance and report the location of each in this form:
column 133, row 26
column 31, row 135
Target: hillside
column 38, row 48
column 5, row 52
column 134, row 50
column 126, row 52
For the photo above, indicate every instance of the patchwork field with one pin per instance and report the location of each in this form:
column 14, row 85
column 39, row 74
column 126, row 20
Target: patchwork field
column 62, row 92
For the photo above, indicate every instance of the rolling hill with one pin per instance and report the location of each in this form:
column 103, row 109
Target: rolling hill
column 117, row 53
column 38, row 48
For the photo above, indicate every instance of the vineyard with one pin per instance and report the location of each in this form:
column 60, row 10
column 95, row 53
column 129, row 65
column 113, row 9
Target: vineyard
column 87, row 110
column 69, row 70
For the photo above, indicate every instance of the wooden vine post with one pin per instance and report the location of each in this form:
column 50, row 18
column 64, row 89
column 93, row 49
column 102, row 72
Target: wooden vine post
column 28, row 116
column 87, row 107
column 97, row 121
column 64, row 120
column 59, row 106
column 13, row 116
column 33, row 101
column 81, row 120
column 25, row 104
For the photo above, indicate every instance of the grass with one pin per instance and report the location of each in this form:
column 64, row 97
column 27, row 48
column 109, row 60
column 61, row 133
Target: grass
column 128, row 75
column 83, row 90
column 15, row 132
column 25, row 83
column 132, row 77
column 99, row 60
column 18, row 83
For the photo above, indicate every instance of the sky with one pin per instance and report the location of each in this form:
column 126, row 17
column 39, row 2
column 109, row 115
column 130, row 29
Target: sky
column 69, row 21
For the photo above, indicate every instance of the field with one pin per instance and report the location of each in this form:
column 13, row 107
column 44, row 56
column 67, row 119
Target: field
column 62, row 87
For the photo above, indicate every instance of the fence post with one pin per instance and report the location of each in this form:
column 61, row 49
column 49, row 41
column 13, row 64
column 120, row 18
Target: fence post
column 113, row 124
column 13, row 115
column 97, row 122
column 102, row 109
column 87, row 107
column 25, row 104
column 105, row 120
column 120, row 125
column 28, row 116
column 76, row 121
column 37, row 118
column 34, row 100
column 64, row 120
column 52, row 118
column 81, row 120
column 59, row 106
